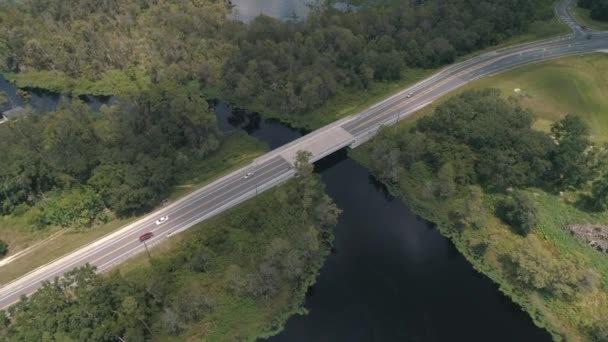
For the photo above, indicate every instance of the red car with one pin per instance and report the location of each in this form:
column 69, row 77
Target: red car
column 145, row 237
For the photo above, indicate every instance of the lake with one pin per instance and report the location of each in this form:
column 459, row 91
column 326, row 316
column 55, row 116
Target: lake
column 247, row 10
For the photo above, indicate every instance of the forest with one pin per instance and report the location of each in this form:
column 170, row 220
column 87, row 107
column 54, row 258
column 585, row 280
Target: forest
column 598, row 8
column 75, row 167
column 508, row 195
column 240, row 265
column 289, row 67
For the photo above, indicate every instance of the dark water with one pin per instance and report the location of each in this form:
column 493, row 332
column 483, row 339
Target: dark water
column 247, row 10
column 45, row 101
column 393, row 276
column 272, row 132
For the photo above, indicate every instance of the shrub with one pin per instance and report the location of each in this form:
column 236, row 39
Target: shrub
column 3, row 248
column 519, row 212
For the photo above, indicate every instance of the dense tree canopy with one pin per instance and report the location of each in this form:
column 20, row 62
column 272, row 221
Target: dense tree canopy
column 599, row 8
column 121, row 159
column 478, row 137
column 292, row 67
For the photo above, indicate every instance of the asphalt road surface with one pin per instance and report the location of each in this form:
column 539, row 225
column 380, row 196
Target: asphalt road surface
column 273, row 169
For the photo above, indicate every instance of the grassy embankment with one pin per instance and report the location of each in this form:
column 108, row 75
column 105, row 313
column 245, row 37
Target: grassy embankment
column 583, row 16
column 574, row 85
column 237, row 149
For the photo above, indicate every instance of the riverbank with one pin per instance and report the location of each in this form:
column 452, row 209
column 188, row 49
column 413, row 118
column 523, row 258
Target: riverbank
column 393, row 277
column 566, row 320
column 551, row 94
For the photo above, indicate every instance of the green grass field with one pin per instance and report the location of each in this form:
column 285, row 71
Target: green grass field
column 574, row 85
column 237, row 150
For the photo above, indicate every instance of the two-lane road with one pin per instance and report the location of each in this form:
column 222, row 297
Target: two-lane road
column 275, row 167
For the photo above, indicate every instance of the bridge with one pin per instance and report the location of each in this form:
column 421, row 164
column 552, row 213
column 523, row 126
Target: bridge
column 276, row 166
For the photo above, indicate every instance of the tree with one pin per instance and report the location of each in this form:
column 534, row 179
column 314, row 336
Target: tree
column 171, row 322
column 303, row 166
column 3, row 248
column 82, row 306
column 307, row 183
column 598, row 199
column 200, row 260
column 79, row 207
column 471, row 213
column 519, row 212
column 446, row 183
column 534, row 266
column 599, row 10
column 191, row 304
column 3, row 98
column 486, row 139
column 572, row 163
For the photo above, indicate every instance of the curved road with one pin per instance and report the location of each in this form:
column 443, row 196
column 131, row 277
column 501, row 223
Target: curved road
column 275, row 167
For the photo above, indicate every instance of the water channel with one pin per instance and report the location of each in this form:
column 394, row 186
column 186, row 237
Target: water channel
column 392, row 276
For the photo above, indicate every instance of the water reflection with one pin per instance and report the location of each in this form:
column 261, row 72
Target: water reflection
column 395, row 278
column 247, row 10
column 272, row 132
column 43, row 101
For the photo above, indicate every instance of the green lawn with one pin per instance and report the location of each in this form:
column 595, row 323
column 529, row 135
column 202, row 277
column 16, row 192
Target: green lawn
column 237, row 150
column 583, row 16
column 576, row 85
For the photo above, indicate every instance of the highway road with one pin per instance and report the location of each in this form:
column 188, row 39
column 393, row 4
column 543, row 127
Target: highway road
column 276, row 166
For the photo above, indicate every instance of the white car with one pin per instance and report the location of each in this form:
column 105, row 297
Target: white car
column 162, row 220
column 409, row 95
column 249, row 174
